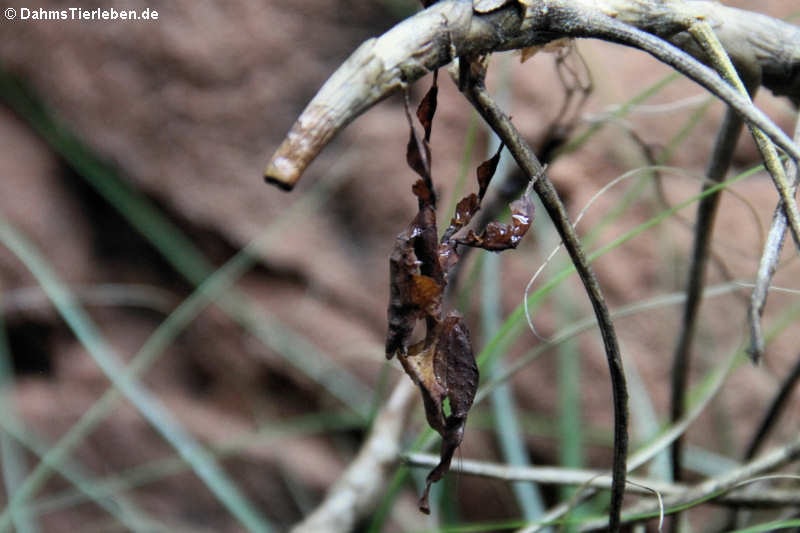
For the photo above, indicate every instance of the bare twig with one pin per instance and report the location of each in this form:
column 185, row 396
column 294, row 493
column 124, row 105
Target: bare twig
column 707, row 39
column 612, row 29
column 647, row 453
column 769, row 262
column 758, row 299
column 771, row 416
column 549, row 147
column 359, row 488
column 724, row 147
column 449, row 29
column 721, row 158
column 526, row 159
column 715, row 487
column 597, row 479
column 774, row 411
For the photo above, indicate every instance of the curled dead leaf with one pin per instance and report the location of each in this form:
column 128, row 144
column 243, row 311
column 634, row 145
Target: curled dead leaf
column 498, row 236
column 486, row 171
column 456, row 379
column 427, row 107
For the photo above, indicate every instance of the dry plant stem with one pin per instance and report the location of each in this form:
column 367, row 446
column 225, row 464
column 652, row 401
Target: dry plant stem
column 724, row 147
column 776, row 408
column 766, row 270
column 720, row 162
column 359, row 488
column 600, row 480
column 644, row 455
column 712, row 488
column 707, row 39
column 773, row 413
column 555, row 136
column 769, row 262
column 448, row 29
column 526, row 159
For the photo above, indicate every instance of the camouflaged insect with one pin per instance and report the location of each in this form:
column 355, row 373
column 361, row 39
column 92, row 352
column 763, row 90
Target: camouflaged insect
column 442, row 363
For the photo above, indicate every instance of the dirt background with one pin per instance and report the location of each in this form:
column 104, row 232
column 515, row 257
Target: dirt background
column 187, row 109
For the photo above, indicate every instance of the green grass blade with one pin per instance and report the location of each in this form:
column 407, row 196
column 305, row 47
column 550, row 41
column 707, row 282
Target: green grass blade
column 181, row 253
column 646, row 425
column 682, row 135
column 504, row 408
column 636, row 190
column 211, row 289
column 157, row 470
column 12, row 459
column 140, row 213
column 770, row 526
column 123, row 510
column 513, row 324
column 402, row 474
column 620, row 112
column 13, row 463
column 586, row 324
column 569, row 394
column 149, row 407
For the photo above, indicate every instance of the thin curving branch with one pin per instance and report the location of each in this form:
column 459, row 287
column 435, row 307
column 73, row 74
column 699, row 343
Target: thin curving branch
column 703, row 34
column 647, row 453
column 357, row 491
column 557, row 133
column 775, row 410
column 773, row 413
column 704, row 491
column 475, row 91
column 451, row 28
column 597, row 479
column 769, row 262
